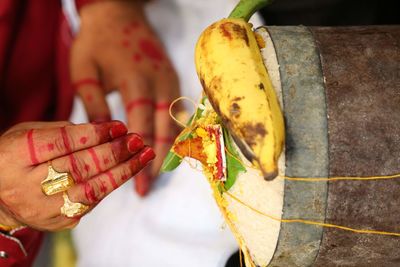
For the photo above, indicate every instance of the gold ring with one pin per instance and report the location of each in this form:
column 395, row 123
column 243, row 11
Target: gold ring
column 71, row 209
column 56, row 182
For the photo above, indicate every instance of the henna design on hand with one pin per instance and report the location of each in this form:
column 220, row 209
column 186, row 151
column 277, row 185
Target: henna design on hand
column 31, row 147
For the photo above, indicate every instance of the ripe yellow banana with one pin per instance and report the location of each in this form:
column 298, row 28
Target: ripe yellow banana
column 234, row 78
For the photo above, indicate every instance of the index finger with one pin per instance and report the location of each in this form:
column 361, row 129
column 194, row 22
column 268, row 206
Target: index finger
column 49, row 143
column 166, row 129
column 137, row 95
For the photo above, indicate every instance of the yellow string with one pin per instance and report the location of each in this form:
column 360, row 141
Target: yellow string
column 172, row 105
column 302, row 179
column 321, row 179
column 329, row 225
column 341, row 178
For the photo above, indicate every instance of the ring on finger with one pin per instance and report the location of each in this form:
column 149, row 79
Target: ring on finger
column 72, row 209
column 56, row 182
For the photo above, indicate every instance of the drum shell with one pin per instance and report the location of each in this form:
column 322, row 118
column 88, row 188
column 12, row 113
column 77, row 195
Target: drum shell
column 341, row 101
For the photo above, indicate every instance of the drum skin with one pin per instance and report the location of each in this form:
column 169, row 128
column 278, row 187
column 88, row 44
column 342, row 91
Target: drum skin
column 341, row 97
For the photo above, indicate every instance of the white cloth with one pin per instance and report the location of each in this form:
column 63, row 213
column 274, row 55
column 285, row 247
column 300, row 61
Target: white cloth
column 178, row 224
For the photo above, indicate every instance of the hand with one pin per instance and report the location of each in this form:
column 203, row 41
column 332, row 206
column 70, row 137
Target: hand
column 117, row 49
column 100, row 157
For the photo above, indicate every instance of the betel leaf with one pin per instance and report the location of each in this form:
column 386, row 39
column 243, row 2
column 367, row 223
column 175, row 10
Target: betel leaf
column 172, row 160
column 233, row 164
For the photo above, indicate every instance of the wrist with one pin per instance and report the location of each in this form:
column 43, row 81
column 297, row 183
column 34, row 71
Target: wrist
column 7, row 223
column 108, row 14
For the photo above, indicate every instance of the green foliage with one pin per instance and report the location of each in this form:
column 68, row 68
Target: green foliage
column 233, row 165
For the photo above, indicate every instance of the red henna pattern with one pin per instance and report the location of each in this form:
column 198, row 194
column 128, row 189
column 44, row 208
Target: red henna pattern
column 95, row 159
column 112, row 179
column 124, row 177
column 89, row 193
column 50, row 147
column 138, row 102
column 86, row 81
column 151, row 50
column 162, row 105
column 87, row 167
column 64, row 136
column 75, row 170
column 103, row 187
column 83, row 140
column 135, row 166
column 31, row 147
column 106, row 161
column 130, row 27
column 137, row 57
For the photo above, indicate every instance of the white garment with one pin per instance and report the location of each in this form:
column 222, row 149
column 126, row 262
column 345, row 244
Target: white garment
column 178, row 224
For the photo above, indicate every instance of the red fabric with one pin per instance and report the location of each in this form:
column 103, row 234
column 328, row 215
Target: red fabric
column 34, row 79
column 34, row 85
column 20, row 247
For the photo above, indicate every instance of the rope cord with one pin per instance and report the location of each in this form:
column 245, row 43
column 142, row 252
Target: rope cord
column 299, row 179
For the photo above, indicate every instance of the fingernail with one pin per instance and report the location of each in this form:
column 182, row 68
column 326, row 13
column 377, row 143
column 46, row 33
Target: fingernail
column 142, row 184
column 118, row 130
column 135, row 143
column 101, row 118
column 146, row 156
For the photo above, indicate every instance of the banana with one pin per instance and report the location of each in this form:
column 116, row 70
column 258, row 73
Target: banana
column 231, row 70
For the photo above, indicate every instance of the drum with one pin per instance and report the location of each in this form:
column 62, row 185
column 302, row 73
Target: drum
column 340, row 92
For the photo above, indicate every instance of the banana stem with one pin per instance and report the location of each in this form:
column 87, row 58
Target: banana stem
column 246, row 8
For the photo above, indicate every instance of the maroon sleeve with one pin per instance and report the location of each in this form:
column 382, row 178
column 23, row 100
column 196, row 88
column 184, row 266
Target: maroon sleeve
column 19, row 247
column 34, row 62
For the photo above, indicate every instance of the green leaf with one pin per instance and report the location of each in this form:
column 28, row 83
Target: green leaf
column 171, row 161
column 233, row 165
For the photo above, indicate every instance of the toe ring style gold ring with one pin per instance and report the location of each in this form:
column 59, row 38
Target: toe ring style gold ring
column 72, row 209
column 56, row 182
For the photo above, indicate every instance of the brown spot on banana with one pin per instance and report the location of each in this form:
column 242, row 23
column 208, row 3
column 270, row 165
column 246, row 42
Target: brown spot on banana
column 238, row 98
column 231, row 30
column 253, row 132
column 242, row 33
column 234, row 110
column 225, row 30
